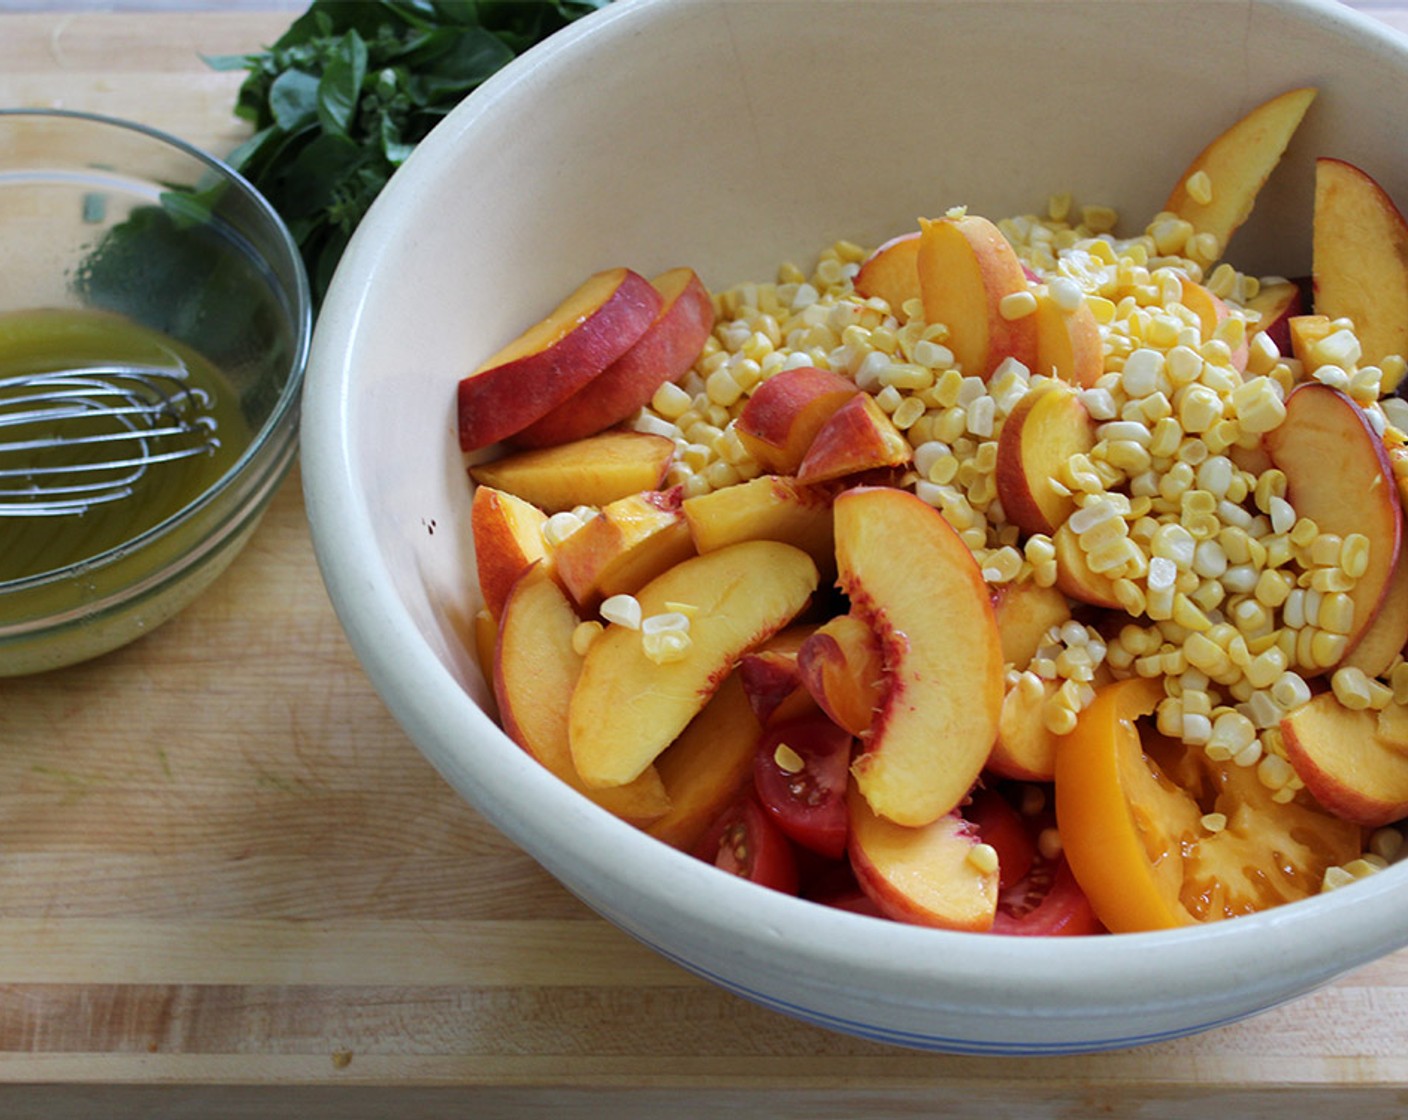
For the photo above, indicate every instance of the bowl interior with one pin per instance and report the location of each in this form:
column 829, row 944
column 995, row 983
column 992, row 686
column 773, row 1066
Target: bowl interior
column 732, row 136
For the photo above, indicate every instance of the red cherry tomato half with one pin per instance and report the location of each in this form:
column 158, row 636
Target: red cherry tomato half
column 800, row 770
column 1038, row 897
column 745, row 842
column 1048, row 902
column 1000, row 825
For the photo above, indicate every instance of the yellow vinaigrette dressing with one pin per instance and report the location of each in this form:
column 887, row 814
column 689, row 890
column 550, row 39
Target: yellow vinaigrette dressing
column 55, row 339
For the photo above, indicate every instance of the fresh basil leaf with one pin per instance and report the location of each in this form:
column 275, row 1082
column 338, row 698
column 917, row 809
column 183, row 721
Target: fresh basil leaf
column 341, row 84
column 310, row 182
column 293, row 99
column 227, row 61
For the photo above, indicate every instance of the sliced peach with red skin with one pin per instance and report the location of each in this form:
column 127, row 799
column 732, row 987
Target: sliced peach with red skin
column 1043, row 431
column 508, row 540
column 771, row 507
column 772, row 678
column 1352, row 769
column 909, row 575
column 1387, row 635
column 1237, row 164
column 966, row 270
column 1360, row 260
column 586, row 472
column 1254, row 459
column 486, row 638
column 921, row 875
column 1275, row 304
column 1074, row 575
column 665, row 352
column 535, row 671
column 556, row 357
column 841, row 667
column 1026, row 614
column 858, row 437
column 891, row 273
column 630, row 542
column 627, row 707
column 1304, row 331
column 1211, row 311
column 707, row 766
column 1338, row 475
column 1068, row 342
column 785, row 412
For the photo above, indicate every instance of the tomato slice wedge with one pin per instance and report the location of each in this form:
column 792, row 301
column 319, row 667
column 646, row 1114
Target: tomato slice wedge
column 1047, row 902
column 800, row 771
column 744, row 841
column 1000, row 825
column 1121, row 820
column 1038, row 897
column 1133, row 832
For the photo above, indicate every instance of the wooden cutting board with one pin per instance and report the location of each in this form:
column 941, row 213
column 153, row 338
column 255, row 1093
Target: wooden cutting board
column 230, row 887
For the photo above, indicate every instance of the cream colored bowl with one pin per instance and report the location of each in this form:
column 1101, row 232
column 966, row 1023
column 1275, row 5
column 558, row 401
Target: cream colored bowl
column 731, row 135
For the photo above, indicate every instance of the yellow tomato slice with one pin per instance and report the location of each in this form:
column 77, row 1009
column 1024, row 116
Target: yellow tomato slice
column 1133, row 834
column 1123, row 823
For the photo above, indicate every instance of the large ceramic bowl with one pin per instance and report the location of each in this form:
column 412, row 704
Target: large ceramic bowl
column 732, row 135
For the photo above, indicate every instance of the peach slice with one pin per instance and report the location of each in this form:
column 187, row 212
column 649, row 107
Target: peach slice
column 1045, row 428
column 706, row 767
column 785, row 412
column 486, row 638
column 1344, row 761
column 912, row 579
column 665, row 352
column 1211, row 311
column 966, row 270
column 771, row 507
column 535, row 672
column 1387, row 635
column 1068, row 343
column 921, row 875
column 627, row 708
column 1275, row 304
column 553, row 359
column 1254, row 460
column 841, row 667
column 859, row 436
column 508, row 540
column 1304, row 331
column 589, row 472
column 891, row 273
column 1025, row 749
column 1338, row 475
column 1074, row 576
column 630, row 542
column 1026, row 613
column 772, row 679
column 1360, row 254
column 1237, row 164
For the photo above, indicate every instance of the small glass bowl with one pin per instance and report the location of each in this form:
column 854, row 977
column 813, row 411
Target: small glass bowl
column 102, row 215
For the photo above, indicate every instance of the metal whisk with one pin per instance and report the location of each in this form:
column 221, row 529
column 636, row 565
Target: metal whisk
column 71, row 439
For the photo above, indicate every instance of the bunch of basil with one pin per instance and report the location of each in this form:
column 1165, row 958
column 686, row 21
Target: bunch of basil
column 345, row 94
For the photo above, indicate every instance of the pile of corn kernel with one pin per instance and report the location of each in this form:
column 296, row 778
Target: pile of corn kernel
column 1233, row 600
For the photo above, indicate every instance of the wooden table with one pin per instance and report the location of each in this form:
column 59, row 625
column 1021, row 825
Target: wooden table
column 230, row 886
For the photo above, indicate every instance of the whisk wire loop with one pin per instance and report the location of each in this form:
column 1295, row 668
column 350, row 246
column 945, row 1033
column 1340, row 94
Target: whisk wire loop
column 57, row 426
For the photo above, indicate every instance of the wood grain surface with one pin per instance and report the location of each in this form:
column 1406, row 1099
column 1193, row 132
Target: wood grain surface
column 230, row 886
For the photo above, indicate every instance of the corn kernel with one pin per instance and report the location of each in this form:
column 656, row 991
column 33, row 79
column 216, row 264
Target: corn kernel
column 623, row 610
